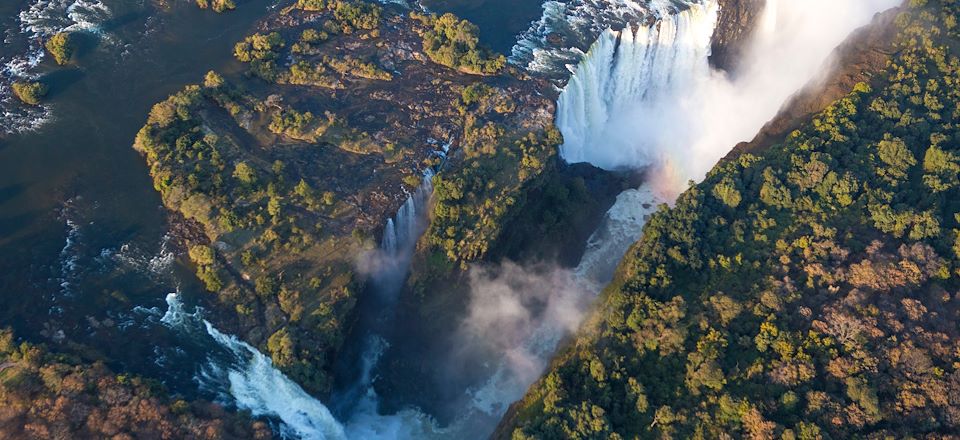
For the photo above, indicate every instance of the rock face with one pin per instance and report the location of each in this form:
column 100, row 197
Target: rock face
column 738, row 20
column 859, row 59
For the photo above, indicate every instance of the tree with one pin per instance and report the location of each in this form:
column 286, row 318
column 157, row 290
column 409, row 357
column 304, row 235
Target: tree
column 217, row 5
column 30, row 92
column 212, row 80
column 245, row 173
column 61, row 46
column 894, row 153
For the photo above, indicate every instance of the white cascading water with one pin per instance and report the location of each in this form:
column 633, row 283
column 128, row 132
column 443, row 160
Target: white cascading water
column 648, row 98
column 402, row 231
column 254, row 383
column 627, row 71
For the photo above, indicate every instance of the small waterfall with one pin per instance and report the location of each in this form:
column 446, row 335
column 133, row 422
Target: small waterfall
column 256, row 385
column 624, row 80
column 402, row 231
column 248, row 378
column 390, row 265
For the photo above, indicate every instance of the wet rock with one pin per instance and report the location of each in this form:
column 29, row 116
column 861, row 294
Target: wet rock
column 738, row 21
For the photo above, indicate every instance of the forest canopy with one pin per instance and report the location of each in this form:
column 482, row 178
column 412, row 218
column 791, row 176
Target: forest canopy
column 455, row 43
column 807, row 291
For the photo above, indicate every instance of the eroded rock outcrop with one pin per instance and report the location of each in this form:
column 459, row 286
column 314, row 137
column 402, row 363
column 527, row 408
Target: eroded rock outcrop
column 738, row 21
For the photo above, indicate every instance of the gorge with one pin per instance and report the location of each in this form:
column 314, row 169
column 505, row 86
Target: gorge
column 379, row 238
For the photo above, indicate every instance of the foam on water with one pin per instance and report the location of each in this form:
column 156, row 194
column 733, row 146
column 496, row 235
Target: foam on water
column 157, row 266
column 68, row 258
column 44, row 18
column 557, row 41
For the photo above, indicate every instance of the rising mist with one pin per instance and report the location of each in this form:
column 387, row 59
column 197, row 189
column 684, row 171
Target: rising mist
column 681, row 121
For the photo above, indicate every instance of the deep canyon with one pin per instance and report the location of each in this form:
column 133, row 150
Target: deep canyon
column 332, row 227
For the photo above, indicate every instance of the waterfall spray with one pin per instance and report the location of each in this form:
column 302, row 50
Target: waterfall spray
column 647, row 98
column 626, row 71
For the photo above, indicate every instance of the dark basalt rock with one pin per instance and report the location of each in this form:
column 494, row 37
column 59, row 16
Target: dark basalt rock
column 738, row 21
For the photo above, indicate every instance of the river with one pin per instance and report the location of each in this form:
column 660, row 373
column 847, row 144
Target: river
column 84, row 251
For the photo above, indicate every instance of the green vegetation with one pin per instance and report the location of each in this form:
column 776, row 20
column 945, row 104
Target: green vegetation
column 349, row 15
column 474, row 203
column 306, row 74
column 205, row 259
column 217, row 5
column 30, row 92
column 61, row 46
column 268, row 216
column 302, row 126
column 484, row 190
column 262, row 52
column 455, row 43
column 352, row 66
column 309, row 42
column 51, row 395
column 808, row 291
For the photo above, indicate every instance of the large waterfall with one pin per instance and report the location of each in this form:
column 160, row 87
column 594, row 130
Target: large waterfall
column 645, row 97
column 627, row 79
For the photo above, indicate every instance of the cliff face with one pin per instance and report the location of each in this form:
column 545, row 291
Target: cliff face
column 290, row 171
column 738, row 20
column 769, row 300
column 859, row 59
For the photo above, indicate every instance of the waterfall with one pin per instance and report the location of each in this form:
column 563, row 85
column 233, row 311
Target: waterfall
column 646, row 97
column 256, row 385
column 248, row 378
column 642, row 96
column 625, row 79
column 402, row 231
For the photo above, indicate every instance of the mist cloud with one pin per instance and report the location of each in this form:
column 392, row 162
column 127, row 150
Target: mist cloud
column 516, row 318
column 681, row 125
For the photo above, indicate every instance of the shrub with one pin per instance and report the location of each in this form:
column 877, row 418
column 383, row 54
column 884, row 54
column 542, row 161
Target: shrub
column 61, row 46
column 30, row 92
column 217, row 5
column 455, row 43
